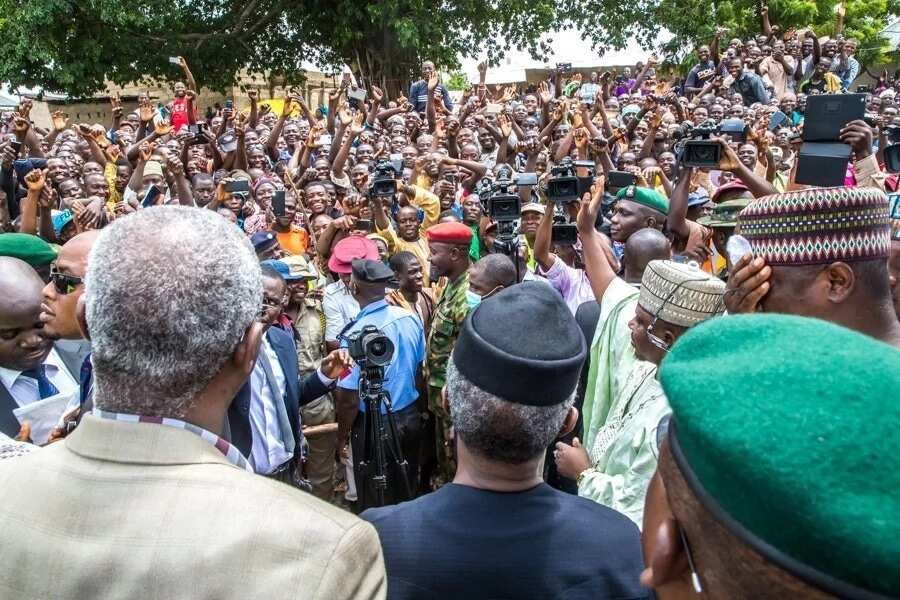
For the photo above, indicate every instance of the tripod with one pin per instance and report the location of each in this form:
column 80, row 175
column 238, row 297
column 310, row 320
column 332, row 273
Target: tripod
column 380, row 443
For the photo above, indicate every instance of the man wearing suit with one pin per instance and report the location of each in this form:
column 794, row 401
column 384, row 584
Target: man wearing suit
column 145, row 499
column 30, row 369
column 264, row 419
column 499, row 531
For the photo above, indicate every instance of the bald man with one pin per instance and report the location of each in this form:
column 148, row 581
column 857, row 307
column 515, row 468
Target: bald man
column 488, row 276
column 30, row 370
column 643, row 246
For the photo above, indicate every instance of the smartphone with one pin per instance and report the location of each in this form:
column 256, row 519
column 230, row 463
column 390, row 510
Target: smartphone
column 776, row 120
column 357, row 93
column 153, row 192
column 16, row 145
column 451, row 177
column 619, row 179
column 278, row 203
column 527, row 179
column 175, row 60
column 493, row 109
column 238, row 186
column 229, row 104
column 364, row 225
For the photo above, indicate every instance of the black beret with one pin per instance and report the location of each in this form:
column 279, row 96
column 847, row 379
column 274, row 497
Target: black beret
column 373, row 271
column 522, row 345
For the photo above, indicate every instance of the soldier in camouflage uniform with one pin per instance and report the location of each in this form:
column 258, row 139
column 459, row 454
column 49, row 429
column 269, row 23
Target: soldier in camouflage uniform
column 449, row 249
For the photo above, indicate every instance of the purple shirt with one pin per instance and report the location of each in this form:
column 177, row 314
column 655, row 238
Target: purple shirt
column 572, row 284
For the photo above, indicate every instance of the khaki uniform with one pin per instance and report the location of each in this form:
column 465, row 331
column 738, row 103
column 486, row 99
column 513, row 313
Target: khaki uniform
column 449, row 314
column 309, row 333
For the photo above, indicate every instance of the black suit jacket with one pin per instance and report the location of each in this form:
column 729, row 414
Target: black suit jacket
column 462, row 542
column 297, row 393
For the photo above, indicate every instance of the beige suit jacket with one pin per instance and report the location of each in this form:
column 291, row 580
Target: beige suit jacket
column 135, row 510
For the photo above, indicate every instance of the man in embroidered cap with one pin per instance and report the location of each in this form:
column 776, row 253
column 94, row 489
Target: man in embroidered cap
column 768, row 431
column 624, row 402
column 448, row 245
column 819, row 252
column 498, row 530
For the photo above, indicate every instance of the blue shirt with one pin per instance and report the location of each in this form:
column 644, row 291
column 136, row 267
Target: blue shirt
column 405, row 330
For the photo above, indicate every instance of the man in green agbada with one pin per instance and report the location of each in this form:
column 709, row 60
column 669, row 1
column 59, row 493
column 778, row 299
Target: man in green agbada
column 448, row 245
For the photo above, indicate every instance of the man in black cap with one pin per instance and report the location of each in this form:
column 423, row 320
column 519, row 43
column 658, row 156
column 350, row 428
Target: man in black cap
column 498, row 530
column 402, row 380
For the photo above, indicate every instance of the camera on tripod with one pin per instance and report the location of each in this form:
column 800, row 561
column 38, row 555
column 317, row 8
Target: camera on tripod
column 370, row 347
column 384, row 176
column 698, row 150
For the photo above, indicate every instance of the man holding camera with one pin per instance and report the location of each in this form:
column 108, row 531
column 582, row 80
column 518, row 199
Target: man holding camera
column 401, row 377
column 409, row 233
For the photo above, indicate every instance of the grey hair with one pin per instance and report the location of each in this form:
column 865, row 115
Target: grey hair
column 169, row 292
column 498, row 429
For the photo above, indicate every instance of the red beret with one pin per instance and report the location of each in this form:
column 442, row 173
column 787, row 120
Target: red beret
column 349, row 249
column 450, row 233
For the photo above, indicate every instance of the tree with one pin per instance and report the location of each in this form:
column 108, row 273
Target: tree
column 693, row 22
column 74, row 46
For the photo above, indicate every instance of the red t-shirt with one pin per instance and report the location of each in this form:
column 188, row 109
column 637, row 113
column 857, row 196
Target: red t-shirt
column 179, row 113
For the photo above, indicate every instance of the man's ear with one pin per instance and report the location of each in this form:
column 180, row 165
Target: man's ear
column 81, row 317
column 569, row 423
column 841, row 281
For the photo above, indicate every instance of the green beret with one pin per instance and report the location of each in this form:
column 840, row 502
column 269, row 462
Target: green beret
column 645, row 196
column 786, row 429
column 30, row 248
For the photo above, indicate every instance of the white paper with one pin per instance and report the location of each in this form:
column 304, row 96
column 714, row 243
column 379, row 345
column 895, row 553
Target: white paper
column 43, row 415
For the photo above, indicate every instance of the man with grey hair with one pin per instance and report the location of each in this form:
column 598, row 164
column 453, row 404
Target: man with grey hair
column 145, row 488
column 498, row 530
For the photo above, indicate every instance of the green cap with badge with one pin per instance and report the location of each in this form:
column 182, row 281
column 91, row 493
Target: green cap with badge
column 645, row 196
column 30, row 248
column 791, row 444
column 725, row 214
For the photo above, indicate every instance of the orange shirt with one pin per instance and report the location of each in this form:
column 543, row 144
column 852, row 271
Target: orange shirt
column 294, row 242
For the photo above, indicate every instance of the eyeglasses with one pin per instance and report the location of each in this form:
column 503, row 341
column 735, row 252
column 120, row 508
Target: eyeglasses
column 64, row 284
column 655, row 340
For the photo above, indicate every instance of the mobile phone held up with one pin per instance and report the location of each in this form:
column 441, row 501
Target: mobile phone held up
column 153, row 192
column 278, row 204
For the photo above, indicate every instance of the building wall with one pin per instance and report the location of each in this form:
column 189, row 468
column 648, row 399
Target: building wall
column 98, row 109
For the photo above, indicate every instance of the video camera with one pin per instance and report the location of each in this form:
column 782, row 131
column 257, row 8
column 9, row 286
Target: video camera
column 504, row 206
column 384, row 176
column 370, row 346
column 696, row 149
column 565, row 187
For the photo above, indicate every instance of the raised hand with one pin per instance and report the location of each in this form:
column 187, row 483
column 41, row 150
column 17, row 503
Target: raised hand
column 377, row 94
column 146, row 112
column 589, row 207
column 35, row 180
column 505, row 124
column 146, row 150
column 433, row 81
column 581, row 138
column 60, row 120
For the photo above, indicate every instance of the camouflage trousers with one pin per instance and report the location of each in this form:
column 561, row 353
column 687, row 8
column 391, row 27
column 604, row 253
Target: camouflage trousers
column 445, row 448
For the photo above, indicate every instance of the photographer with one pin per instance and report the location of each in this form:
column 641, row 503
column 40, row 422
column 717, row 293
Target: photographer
column 402, row 379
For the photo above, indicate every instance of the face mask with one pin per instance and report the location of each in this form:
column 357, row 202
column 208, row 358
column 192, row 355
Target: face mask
column 472, row 299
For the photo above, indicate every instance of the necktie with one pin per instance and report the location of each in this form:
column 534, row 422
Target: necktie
column 45, row 386
column 287, row 431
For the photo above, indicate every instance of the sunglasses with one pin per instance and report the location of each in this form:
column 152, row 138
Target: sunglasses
column 64, row 284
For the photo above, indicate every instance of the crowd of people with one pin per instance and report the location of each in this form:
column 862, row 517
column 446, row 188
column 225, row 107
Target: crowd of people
column 356, row 351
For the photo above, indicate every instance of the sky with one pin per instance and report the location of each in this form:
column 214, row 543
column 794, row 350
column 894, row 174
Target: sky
column 567, row 47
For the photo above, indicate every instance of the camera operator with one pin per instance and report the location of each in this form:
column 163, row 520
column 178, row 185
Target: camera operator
column 402, row 378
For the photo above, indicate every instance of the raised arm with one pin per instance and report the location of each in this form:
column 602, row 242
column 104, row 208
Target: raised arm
column 188, row 76
column 356, row 128
column 595, row 247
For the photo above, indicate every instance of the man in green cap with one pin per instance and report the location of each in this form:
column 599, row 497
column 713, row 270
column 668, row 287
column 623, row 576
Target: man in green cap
column 778, row 474
column 623, row 400
column 637, row 207
column 818, row 252
column 29, row 248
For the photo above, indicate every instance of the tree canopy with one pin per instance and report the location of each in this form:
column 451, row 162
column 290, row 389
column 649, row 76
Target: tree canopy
column 75, row 46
